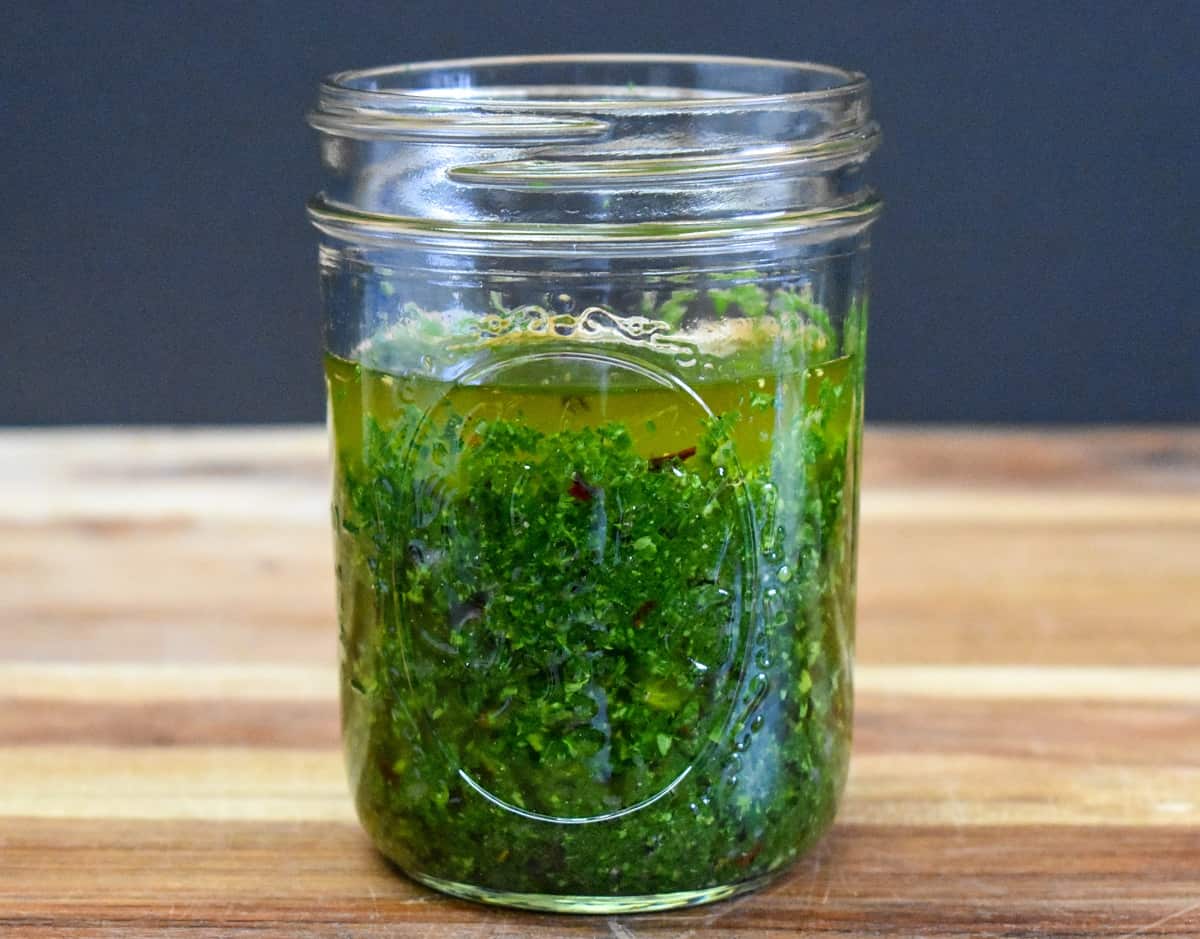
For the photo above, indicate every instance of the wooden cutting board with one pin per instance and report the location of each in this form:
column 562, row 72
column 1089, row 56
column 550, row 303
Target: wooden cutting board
column 1027, row 749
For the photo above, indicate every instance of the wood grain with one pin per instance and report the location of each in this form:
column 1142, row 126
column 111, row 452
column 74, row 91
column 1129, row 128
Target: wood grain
column 133, row 878
column 1027, row 752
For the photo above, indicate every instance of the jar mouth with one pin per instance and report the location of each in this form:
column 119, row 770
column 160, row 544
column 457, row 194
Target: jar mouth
column 594, row 83
column 609, row 150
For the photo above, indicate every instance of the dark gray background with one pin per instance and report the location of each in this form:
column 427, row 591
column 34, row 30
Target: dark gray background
column 1037, row 260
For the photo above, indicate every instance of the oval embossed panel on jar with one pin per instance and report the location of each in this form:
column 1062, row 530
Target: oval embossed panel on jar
column 565, row 612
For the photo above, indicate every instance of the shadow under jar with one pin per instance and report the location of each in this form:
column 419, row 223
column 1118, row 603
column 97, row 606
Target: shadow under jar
column 594, row 332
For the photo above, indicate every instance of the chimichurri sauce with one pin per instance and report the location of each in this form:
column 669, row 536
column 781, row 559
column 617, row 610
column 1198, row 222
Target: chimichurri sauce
column 596, row 623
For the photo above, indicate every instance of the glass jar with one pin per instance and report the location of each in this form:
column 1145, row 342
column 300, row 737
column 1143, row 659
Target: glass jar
column 594, row 334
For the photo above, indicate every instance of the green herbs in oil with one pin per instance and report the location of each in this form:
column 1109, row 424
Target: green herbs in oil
column 596, row 615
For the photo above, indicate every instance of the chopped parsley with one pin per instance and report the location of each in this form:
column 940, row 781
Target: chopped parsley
column 598, row 644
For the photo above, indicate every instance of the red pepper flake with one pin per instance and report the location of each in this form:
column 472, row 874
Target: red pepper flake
column 658, row 462
column 747, row 857
column 580, row 490
column 387, row 770
column 643, row 611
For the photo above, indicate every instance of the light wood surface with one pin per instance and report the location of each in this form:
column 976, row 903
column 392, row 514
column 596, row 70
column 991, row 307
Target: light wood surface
column 1027, row 749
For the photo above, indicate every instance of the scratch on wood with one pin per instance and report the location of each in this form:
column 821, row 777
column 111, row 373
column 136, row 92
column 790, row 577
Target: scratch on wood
column 620, row 932
column 1190, row 908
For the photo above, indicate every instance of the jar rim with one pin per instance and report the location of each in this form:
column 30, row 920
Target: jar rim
column 451, row 84
column 611, row 153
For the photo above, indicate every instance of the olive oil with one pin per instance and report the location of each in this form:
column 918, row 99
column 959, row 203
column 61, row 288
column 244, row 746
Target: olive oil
column 595, row 616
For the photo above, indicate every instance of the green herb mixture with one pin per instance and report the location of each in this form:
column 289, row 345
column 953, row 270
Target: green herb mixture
column 596, row 634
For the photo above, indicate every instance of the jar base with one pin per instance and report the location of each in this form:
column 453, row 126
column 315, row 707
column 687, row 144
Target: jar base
column 567, row 903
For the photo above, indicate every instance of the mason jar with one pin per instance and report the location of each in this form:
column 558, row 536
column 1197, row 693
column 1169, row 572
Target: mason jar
column 594, row 338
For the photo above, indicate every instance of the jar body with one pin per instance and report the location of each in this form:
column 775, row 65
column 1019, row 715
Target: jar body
column 595, row 524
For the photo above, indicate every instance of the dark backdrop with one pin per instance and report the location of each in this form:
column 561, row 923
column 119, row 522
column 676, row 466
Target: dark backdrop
column 1037, row 260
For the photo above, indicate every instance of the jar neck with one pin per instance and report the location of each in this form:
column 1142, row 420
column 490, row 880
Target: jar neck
column 594, row 148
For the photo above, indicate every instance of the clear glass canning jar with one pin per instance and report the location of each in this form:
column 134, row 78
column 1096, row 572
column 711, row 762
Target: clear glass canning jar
column 594, row 334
